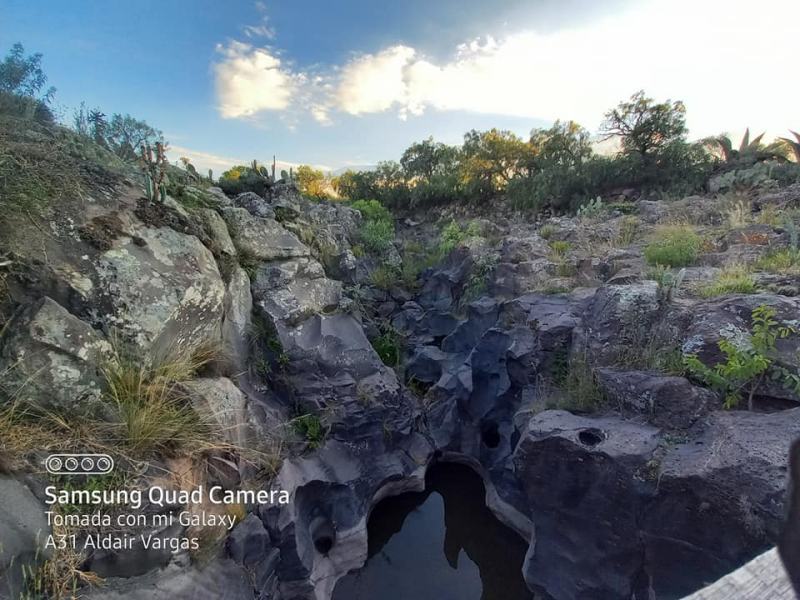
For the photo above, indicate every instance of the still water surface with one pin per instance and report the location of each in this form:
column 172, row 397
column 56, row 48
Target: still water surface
column 440, row 544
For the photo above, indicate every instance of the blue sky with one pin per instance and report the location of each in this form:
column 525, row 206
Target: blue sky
column 339, row 83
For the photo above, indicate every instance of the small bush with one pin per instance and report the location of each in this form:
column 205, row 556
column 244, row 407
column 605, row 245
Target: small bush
column 377, row 233
column 377, row 236
column 785, row 262
column 674, row 246
column 732, row 280
column 454, row 235
column 309, row 427
column 372, row 210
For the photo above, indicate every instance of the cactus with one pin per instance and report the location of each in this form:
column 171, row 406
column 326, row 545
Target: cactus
column 284, row 175
column 261, row 171
column 211, row 175
column 273, row 168
column 155, row 171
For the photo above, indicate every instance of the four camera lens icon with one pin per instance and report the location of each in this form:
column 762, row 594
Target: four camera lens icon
column 79, row 464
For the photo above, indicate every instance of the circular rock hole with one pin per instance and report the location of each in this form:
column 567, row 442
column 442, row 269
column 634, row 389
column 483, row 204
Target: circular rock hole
column 490, row 435
column 591, row 437
column 323, row 544
column 323, row 535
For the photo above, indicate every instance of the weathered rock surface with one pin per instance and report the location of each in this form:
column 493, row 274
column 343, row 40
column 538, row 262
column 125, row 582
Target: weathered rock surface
column 261, row 238
column 52, row 359
column 293, row 290
column 160, row 290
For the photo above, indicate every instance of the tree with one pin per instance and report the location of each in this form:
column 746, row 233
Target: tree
column 489, row 159
column 21, row 81
column 422, row 160
column 562, row 145
column 125, row 135
column 311, row 182
column 23, row 75
column 644, row 126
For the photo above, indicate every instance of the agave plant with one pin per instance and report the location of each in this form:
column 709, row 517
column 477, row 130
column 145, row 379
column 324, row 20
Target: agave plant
column 794, row 146
column 730, row 154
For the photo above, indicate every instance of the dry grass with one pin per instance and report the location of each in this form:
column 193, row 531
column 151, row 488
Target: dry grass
column 733, row 279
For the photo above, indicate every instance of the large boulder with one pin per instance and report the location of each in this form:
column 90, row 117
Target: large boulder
column 577, row 473
column 720, row 498
column 331, row 360
column 52, row 359
column 619, row 321
column 160, row 289
column 260, row 238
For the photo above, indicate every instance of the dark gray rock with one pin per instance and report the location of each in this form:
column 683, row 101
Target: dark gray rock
column 254, row 204
column 23, row 532
column 669, row 402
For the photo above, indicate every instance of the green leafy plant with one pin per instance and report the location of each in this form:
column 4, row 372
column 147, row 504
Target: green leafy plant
column 747, row 363
column 794, row 146
column 674, row 246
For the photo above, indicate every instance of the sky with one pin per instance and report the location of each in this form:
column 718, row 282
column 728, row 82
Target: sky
column 348, row 83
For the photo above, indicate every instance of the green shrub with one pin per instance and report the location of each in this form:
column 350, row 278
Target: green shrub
column 674, row 246
column 732, row 280
column 454, row 235
column 747, row 363
column 377, row 236
column 372, row 210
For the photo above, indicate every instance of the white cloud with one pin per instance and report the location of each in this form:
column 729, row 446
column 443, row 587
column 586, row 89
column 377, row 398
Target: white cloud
column 250, row 80
column 207, row 160
column 720, row 56
column 374, row 82
column 728, row 60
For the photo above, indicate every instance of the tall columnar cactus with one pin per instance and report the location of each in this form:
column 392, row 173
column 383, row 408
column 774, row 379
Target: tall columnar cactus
column 211, row 175
column 155, row 171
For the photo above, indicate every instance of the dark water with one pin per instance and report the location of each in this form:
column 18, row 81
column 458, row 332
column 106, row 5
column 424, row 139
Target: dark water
column 440, row 544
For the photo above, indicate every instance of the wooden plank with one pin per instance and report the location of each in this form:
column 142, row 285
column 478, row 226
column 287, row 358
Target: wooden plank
column 763, row 578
